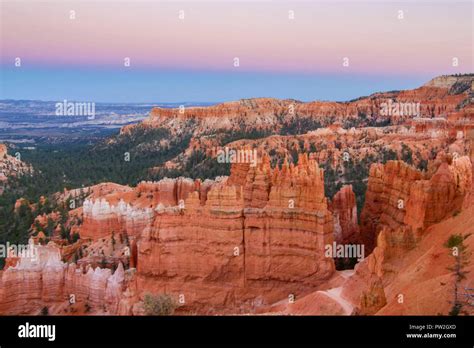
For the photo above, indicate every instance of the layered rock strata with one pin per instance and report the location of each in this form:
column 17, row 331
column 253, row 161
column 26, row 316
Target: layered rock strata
column 41, row 280
column 440, row 97
column 401, row 198
column 402, row 205
column 229, row 244
column 344, row 209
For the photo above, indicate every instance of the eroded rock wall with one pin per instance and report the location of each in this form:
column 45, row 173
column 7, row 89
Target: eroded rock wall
column 43, row 280
column 228, row 244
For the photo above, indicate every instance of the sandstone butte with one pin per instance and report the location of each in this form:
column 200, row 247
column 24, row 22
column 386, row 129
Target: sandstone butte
column 254, row 242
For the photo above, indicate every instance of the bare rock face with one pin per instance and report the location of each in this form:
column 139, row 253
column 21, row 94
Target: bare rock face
column 417, row 281
column 401, row 228
column 421, row 282
column 442, row 195
column 102, row 218
column 386, row 198
column 344, row 209
column 285, row 239
column 131, row 211
column 400, row 197
column 40, row 279
column 257, row 235
column 225, row 245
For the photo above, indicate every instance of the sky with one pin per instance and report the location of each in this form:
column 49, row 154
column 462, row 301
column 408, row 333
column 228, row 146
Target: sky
column 210, row 51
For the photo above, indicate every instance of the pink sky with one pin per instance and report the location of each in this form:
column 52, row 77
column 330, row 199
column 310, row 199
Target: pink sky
column 260, row 34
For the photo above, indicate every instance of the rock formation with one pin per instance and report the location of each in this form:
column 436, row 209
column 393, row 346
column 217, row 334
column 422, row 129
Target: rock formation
column 344, row 209
column 400, row 198
column 254, row 242
column 262, row 231
column 438, row 98
column 402, row 207
column 40, row 279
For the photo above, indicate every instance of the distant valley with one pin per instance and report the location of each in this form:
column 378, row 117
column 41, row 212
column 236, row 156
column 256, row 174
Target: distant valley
column 33, row 121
